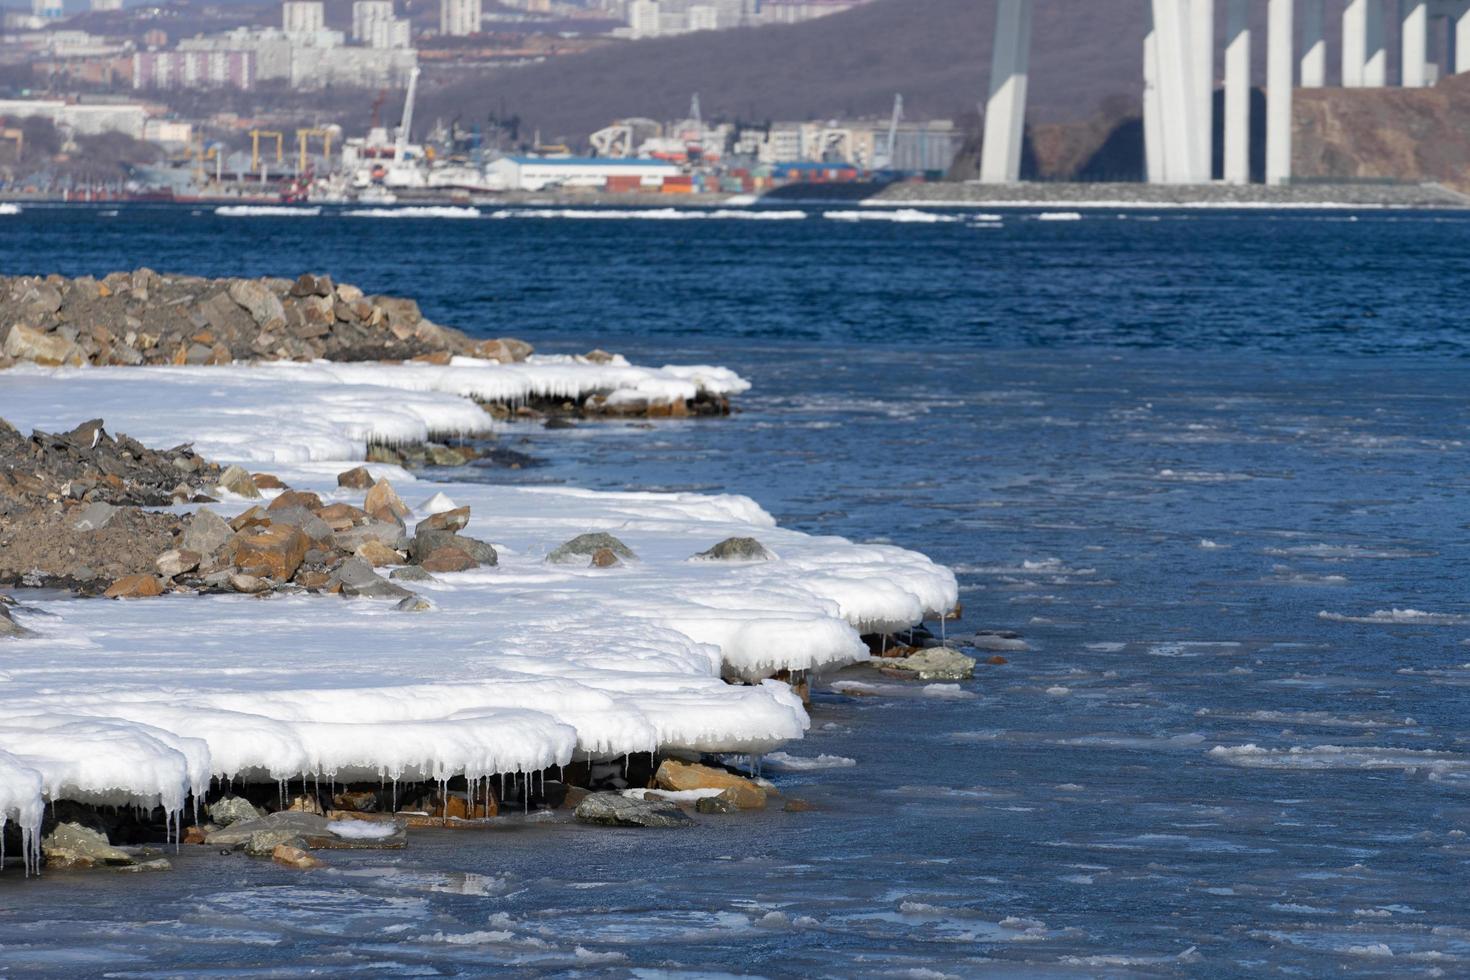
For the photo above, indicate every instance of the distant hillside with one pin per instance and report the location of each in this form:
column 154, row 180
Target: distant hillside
column 935, row 52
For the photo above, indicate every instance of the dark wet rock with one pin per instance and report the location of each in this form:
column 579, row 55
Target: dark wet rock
column 580, row 549
column 426, row 544
column 737, row 549
column 8, row 626
column 72, row 846
column 617, row 810
column 355, row 577
column 411, row 573
column 414, row 603
column 714, row 804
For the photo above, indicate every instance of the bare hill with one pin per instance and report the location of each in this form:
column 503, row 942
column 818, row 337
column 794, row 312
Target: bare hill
column 935, row 52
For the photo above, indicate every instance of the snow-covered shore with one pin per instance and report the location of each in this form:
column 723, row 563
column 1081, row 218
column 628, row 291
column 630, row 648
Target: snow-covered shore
column 516, row 668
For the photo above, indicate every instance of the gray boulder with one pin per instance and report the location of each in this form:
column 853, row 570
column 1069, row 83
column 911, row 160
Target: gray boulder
column 617, row 810
column 293, row 823
column 206, row 532
column 737, row 549
column 410, row 573
column 934, row 664
column 357, row 578
column 238, row 481
column 95, row 516
column 232, row 810
column 425, row 543
column 581, row 548
column 70, row 845
column 264, row 306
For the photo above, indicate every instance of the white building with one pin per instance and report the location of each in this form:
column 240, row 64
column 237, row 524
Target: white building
column 524, row 173
column 47, row 9
column 458, row 18
column 316, row 59
column 391, row 33
column 643, row 18
column 368, row 13
column 303, row 16
column 100, row 6
column 80, row 119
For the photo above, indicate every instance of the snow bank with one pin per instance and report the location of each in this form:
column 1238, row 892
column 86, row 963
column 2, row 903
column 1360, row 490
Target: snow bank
column 519, row 667
column 285, row 412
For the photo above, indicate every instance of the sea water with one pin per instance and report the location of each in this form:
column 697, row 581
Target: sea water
column 1212, row 468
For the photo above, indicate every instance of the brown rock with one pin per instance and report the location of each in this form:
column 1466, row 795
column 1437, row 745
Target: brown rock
column 295, row 857
column 675, row 775
column 997, row 660
column 296, row 498
column 134, row 587
column 306, row 804
column 575, row 795
column 795, row 805
column 447, row 559
column 315, row 579
column 341, row 516
column 357, row 478
column 254, row 517
column 249, row 584
column 378, row 554
column 449, row 520
column 195, row 834
column 275, row 551
column 605, row 558
column 383, row 502
column 440, row 357
column 360, row 801
column 176, row 561
column 267, row 481
column 239, row 482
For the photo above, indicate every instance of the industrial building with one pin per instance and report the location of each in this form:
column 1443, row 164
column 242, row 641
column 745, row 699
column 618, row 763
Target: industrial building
column 527, row 173
column 80, row 119
column 458, row 18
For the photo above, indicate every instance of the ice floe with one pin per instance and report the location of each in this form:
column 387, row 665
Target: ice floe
column 517, row 668
column 899, row 216
column 651, row 214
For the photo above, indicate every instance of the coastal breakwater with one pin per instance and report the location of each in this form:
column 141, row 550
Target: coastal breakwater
column 321, row 626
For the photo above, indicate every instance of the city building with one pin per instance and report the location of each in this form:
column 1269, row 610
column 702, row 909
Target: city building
column 303, row 16
column 526, row 173
column 80, row 119
column 368, row 13
column 99, row 6
column 194, row 69
column 313, row 60
column 47, row 9
column 458, row 18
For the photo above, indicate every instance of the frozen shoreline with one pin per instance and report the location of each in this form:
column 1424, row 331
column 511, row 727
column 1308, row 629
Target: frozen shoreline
column 515, row 668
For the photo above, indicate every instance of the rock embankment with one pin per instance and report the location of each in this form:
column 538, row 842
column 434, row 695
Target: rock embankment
column 142, row 317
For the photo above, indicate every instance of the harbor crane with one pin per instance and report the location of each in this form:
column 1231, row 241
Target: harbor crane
column 893, row 132
column 255, row 137
column 400, row 145
column 303, row 141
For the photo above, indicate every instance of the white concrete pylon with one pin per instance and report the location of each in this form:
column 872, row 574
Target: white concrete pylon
column 1202, row 65
column 1314, row 44
column 1280, row 60
column 1005, row 110
column 1414, row 37
column 1153, row 113
column 1354, row 42
column 1375, row 62
column 1176, row 88
column 1462, row 40
column 1237, row 92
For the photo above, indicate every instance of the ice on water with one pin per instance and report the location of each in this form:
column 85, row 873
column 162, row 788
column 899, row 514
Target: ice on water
column 519, row 667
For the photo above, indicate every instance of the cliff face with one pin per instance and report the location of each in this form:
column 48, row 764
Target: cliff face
column 1389, row 133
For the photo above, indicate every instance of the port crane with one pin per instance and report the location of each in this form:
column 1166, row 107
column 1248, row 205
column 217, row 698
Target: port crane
column 400, row 145
column 303, row 142
column 256, row 135
column 893, row 132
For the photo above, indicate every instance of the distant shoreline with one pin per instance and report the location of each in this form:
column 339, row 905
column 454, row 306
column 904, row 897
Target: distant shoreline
column 1313, row 196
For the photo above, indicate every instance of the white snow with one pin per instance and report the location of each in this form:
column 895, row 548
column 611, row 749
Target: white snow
column 361, row 829
column 325, row 410
column 899, row 216
column 651, row 214
column 9, row 208
column 265, row 211
column 518, row 667
column 414, row 212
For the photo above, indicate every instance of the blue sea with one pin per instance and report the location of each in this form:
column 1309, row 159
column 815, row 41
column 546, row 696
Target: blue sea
column 1212, row 466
